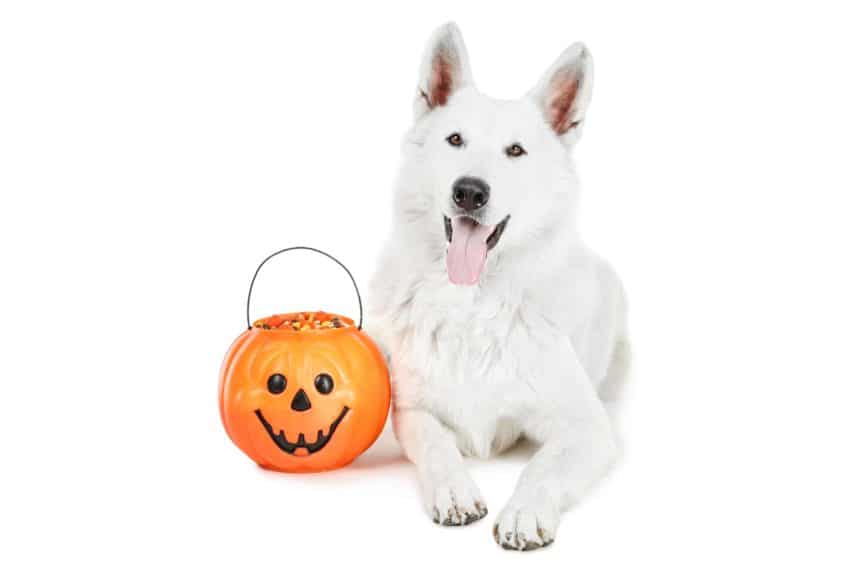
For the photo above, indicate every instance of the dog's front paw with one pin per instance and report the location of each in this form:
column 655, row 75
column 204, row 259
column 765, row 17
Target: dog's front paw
column 455, row 501
column 523, row 527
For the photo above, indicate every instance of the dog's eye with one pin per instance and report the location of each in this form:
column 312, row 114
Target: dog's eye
column 324, row 383
column 455, row 139
column 514, row 150
column 277, row 383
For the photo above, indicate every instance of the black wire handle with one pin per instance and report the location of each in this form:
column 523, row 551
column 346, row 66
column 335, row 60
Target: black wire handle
column 266, row 260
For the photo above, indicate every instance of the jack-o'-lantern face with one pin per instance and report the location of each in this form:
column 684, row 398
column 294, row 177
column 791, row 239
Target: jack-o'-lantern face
column 304, row 400
column 324, row 384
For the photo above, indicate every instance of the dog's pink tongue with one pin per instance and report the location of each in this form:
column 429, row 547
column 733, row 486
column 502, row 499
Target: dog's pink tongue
column 467, row 251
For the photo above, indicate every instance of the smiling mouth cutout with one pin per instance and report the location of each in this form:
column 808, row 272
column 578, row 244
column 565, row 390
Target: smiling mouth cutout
column 312, row 447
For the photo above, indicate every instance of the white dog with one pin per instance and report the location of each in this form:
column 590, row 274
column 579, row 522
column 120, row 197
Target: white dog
column 497, row 322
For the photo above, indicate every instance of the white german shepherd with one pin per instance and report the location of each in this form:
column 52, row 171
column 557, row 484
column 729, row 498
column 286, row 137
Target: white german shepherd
column 497, row 322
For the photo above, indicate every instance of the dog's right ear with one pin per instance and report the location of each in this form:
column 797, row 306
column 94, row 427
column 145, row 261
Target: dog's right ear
column 444, row 69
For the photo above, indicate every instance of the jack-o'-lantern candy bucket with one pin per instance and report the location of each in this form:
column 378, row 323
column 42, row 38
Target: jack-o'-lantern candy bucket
column 304, row 391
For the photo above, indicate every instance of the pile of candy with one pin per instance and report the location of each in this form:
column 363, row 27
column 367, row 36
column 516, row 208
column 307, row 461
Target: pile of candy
column 301, row 321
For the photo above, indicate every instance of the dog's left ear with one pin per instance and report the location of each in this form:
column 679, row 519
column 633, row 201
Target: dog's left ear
column 564, row 91
column 444, row 69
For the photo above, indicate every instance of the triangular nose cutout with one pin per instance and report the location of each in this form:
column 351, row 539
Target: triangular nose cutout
column 300, row 401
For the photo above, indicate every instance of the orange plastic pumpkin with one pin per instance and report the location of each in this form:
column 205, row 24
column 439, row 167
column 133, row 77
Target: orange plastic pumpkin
column 304, row 392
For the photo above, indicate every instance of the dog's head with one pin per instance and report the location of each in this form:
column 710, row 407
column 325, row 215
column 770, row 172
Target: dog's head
column 483, row 174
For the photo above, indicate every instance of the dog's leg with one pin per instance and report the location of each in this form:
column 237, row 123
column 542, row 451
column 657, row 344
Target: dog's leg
column 450, row 495
column 577, row 447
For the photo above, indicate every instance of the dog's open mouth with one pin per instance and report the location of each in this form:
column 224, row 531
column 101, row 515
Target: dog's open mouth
column 312, row 447
column 468, row 244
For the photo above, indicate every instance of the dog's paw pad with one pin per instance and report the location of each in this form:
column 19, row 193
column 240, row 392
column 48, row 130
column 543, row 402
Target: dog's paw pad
column 457, row 504
column 521, row 528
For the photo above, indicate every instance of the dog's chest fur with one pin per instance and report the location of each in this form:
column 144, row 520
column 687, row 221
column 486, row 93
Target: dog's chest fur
column 473, row 352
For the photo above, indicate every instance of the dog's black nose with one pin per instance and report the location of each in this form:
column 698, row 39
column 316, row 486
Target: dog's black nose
column 300, row 401
column 470, row 193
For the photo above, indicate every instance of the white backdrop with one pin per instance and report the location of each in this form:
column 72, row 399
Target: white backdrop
column 151, row 153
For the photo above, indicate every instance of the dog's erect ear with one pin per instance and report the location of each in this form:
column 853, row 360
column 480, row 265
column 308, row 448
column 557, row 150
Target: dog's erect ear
column 444, row 69
column 564, row 90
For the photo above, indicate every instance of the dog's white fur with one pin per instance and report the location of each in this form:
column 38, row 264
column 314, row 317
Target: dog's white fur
column 523, row 352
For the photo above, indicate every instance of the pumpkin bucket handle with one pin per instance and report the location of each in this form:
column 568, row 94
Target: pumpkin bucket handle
column 251, row 288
